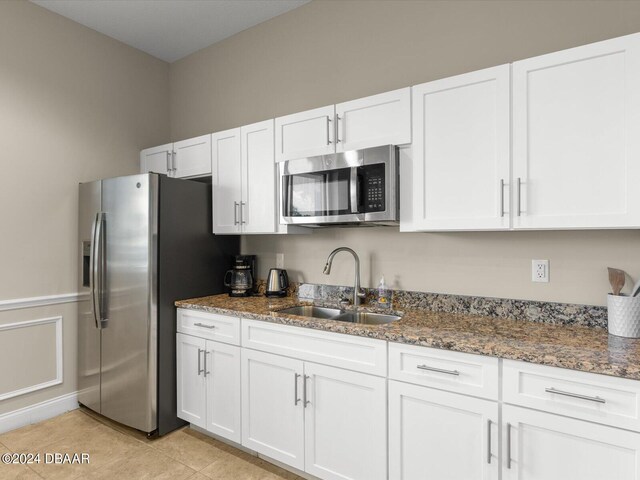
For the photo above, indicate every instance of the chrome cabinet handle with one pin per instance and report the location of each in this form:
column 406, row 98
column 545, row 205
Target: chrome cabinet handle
column 235, row 213
column 169, row 155
column 200, row 370
column 205, row 362
column 439, row 370
column 295, row 390
column 305, row 402
column 508, row 441
column 575, row 395
column 242, row 205
column 203, row 325
column 338, row 128
column 489, row 441
column 519, row 191
column 328, row 128
column 174, row 156
column 502, row 197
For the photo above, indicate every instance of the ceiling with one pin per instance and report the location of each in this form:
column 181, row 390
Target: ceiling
column 169, row 29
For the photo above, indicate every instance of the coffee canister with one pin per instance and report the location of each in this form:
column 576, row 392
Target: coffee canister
column 623, row 315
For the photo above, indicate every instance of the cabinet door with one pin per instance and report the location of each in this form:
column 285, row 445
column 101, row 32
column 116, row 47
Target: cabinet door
column 157, row 159
column 223, row 390
column 461, row 152
column 191, row 379
column 383, row 119
column 193, row 157
column 226, row 181
column 576, row 118
column 272, row 410
column 543, row 446
column 305, row 134
column 345, row 424
column 258, row 209
column 440, row 435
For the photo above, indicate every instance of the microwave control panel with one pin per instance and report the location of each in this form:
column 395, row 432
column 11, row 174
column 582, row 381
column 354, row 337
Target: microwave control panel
column 374, row 187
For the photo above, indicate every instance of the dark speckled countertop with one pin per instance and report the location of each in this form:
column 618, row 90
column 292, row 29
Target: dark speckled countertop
column 574, row 347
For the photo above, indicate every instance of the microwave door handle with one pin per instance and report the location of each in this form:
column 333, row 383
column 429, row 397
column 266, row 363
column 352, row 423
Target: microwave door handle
column 353, row 189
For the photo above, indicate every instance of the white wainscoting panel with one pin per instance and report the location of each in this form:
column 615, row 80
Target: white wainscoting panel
column 13, row 370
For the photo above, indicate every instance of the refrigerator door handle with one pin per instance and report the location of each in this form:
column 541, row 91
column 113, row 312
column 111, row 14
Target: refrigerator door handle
column 97, row 268
column 93, row 266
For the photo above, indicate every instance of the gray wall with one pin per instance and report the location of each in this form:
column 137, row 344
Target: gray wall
column 330, row 51
column 75, row 106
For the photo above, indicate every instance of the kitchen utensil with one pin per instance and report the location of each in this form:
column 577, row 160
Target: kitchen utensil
column 616, row 279
column 636, row 289
column 277, row 283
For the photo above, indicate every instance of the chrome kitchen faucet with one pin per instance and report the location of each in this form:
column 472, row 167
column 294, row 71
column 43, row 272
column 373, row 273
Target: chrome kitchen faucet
column 358, row 293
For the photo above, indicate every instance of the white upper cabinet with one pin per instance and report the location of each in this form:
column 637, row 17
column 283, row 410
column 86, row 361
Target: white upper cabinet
column 192, row 157
column 157, row 159
column 258, row 206
column 460, row 171
column 383, row 119
column 367, row 122
column 184, row 159
column 226, row 181
column 244, row 181
column 305, row 134
column 576, row 118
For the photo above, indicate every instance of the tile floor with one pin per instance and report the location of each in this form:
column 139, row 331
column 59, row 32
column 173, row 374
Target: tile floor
column 117, row 452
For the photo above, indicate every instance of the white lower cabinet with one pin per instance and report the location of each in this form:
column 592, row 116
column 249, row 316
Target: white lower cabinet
column 544, row 446
column 208, row 376
column 440, row 435
column 324, row 420
column 345, row 424
column 272, row 409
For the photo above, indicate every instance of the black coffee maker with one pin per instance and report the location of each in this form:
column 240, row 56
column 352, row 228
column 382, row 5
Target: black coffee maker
column 242, row 278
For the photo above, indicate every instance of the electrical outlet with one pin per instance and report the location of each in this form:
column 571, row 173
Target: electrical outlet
column 540, row 271
column 279, row 260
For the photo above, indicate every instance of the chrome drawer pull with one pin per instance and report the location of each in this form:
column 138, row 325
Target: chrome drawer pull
column 575, row 395
column 439, row 370
column 295, row 390
column 203, row 325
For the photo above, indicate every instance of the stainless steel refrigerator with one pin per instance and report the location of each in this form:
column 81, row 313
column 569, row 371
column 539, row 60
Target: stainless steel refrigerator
column 145, row 241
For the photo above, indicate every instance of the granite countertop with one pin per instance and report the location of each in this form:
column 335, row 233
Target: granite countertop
column 574, row 347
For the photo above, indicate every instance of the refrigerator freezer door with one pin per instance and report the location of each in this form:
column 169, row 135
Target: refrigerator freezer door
column 88, row 333
column 129, row 336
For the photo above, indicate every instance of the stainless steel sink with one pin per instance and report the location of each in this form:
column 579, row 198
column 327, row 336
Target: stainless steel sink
column 367, row 318
column 315, row 312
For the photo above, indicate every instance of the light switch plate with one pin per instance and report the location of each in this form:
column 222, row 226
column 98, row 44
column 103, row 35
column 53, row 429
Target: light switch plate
column 279, row 260
column 540, row 271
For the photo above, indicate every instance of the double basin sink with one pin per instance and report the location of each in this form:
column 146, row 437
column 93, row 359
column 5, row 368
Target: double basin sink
column 367, row 318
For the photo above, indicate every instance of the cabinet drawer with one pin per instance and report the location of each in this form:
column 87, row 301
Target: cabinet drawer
column 345, row 351
column 212, row 326
column 598, row 398
column 454, row 371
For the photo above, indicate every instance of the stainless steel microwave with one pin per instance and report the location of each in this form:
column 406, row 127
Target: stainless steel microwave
column 357, row 187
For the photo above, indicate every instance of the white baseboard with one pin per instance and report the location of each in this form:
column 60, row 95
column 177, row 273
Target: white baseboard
column 38, row 412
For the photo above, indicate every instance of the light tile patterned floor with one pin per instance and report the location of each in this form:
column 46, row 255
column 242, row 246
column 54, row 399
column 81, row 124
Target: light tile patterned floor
column 117, row 452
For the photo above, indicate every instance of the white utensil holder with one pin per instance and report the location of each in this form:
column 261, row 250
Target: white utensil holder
column 624, row 315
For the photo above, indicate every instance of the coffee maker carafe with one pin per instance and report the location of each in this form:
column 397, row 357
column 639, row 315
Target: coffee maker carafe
column 241, row 279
